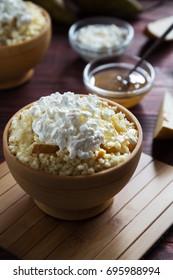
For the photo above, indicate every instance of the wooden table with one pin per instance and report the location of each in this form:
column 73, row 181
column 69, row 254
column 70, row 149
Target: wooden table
column 61, row 70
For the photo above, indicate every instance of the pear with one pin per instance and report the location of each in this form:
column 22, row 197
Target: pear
column 58, row 10
column 110, row 7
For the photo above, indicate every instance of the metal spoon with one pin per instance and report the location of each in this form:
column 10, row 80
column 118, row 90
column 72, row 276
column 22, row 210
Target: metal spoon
column 125, row 82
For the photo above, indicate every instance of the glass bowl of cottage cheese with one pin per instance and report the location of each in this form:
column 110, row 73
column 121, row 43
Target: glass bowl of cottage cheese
column 25, row 33
column 72, row 153
column 95, row 37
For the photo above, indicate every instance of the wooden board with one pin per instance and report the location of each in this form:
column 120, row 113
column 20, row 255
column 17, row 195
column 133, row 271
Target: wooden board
column 138, row 217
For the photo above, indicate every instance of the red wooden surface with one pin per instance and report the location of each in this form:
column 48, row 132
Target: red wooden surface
column 61, row 70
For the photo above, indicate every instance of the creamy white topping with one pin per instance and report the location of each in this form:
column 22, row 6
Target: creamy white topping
column 14, row 11
column 101, row 37
column 71, row 122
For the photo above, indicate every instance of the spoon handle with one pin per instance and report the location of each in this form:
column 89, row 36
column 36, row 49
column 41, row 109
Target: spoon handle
column 156, row 43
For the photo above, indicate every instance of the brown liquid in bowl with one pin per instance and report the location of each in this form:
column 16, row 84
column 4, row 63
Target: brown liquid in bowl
column 107, row 80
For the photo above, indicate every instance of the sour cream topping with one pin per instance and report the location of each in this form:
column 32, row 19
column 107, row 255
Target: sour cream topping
column 69, row 121
column 14, row 11
column 101, row 37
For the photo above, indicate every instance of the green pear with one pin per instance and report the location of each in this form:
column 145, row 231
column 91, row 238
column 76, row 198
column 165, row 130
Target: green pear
column 58, row 10
column 110, row 7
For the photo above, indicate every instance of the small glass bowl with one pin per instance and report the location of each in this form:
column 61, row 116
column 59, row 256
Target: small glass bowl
column 128, row 98
column 89, row 53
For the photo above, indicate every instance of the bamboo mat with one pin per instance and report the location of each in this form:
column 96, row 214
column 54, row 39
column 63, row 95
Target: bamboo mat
column 138, row 217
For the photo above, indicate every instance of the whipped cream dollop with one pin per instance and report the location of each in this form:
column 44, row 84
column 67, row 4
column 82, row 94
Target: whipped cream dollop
column 71, row 122
column 14, row 12
column 101, row 37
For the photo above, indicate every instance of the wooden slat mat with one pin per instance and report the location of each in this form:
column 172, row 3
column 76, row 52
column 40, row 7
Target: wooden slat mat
column 138, row 217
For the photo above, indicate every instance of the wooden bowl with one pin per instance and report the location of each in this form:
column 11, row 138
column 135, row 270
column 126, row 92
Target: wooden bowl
column 18, row 61
column 74, row 197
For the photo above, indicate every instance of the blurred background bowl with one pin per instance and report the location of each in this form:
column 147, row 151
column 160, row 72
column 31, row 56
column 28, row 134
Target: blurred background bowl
column 90, row 53
column 110, row 67
column 18, row 61
column 74, row 197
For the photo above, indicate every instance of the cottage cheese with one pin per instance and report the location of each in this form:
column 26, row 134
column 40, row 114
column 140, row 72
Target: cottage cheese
column 71, row 122
column 19, row 21
column 101, row 37
column 14, row 10
column 91, row 135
